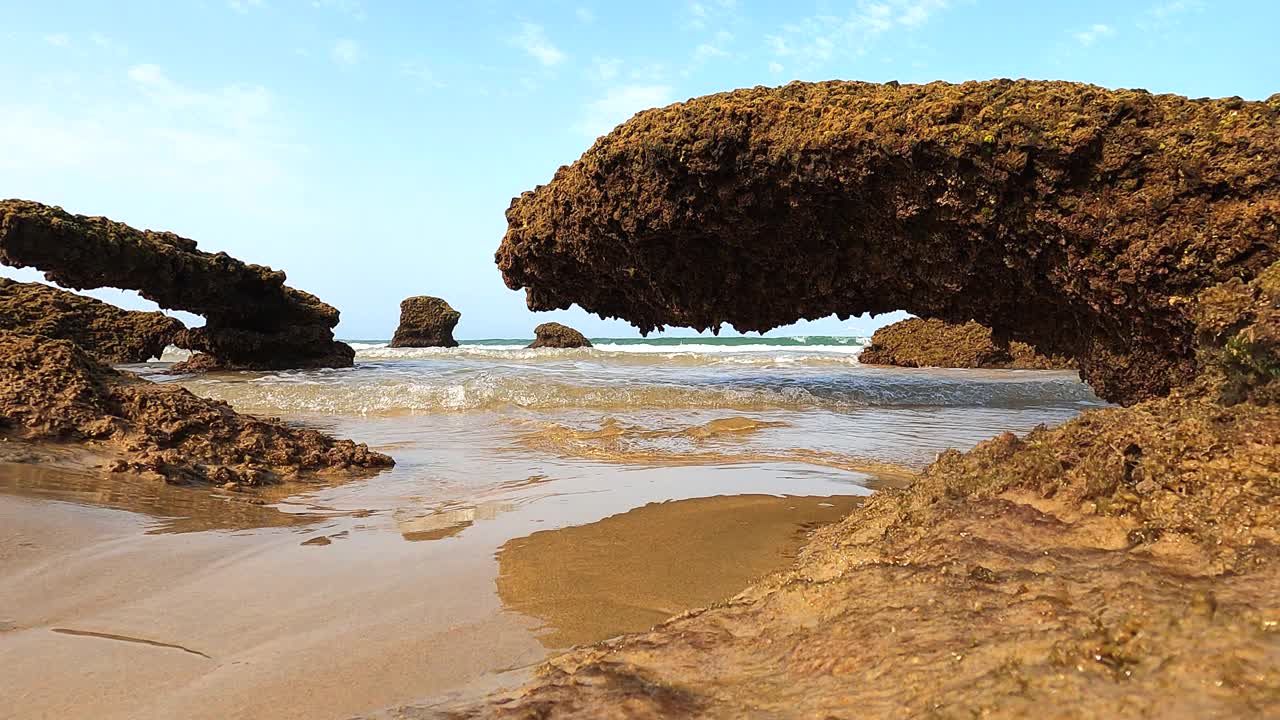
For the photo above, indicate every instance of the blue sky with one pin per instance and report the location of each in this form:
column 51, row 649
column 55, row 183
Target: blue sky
column 370, row 148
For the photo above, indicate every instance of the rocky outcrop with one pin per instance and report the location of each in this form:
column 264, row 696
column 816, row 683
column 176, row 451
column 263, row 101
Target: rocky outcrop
column 1078, row 219
column 555, row 335
column 51, row 391
column 104, row 331
column 1121, row 565
column 253, row 320
column 426, row 321
column 917, row 342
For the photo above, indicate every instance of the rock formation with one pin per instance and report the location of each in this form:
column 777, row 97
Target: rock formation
column 1078, row 219
column 917, row 342
column 52, row 391
column 426, row 321
column 555, row 335
column 1121, row 565
column 253, row 320
column 104, row 331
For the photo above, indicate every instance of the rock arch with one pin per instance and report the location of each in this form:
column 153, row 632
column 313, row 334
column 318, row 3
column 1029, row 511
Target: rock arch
column 1084, row 221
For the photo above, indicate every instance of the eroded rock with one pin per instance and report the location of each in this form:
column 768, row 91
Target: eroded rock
column 426, row 321
column 1123, row 565
column 555, row 335
column 52, row 391
column 102, row 330
column 917, row 342
column 253, row 320
column 1081, row 220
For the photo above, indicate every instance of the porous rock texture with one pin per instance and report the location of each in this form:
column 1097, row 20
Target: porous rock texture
column 252, row 319
column 51, row 391
column 920, row 342
column 1122, row 565
column 555, row 335
column 1078, row 219
column 426, row 321
column 104, row 331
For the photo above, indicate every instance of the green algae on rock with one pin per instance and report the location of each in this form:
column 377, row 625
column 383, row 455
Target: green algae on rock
column 1065, row 215
column 253, row 320
column 108, row 333
column 919, row 342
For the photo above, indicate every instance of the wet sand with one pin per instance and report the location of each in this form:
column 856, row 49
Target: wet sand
column 326, row 617
column 505, row 533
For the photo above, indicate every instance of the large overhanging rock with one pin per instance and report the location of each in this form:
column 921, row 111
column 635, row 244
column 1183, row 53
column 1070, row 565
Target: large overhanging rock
column 253, row 320
column 1082, row 220
column 104, row 331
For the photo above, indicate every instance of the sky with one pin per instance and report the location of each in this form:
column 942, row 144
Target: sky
column 370, row 149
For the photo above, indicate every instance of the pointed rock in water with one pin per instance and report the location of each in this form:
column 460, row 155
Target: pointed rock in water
column 108, row 333
column 555, row 335
column 52, row 391
column 1079, row 219
column 253, row 320
column 426, row 321
column 917, row 342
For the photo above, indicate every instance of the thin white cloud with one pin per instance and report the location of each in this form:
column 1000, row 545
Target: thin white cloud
column 58, row 40
column 701, row 14
column 715, row 48
column 621, row 103
column 533, row 40
column 1093, row 33
column 152, row 132
column 775, row 67
column 346, row 52
column 350, row 8
column 244, row 6
column 585, row 15
column 422, row 73
column 607, row 68
column 105, row 43
column 819, row 38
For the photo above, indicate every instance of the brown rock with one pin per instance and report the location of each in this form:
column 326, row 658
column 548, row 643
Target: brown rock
column 253, row 320
column 917, row 342
column 426, row 321
column 555, row 335
column 1121, row 565
column 1078, row 219
column 52, row 391
column 106, row 332
column 1020, row 576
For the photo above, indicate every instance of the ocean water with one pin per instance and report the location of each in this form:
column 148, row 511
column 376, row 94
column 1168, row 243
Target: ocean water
column 541, row 498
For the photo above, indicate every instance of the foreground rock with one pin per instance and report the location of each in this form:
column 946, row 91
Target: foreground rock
column 1051, row 576
column 1122, row 565
column 426, row 321
column 555, row 335
column 253, row 320
column 53, row 392
column 917, row 342
column 104, row 331
column 1078, row 219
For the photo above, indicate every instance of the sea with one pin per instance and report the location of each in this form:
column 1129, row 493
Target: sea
column 541, row 499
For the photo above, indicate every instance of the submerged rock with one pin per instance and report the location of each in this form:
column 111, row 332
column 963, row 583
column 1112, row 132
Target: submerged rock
column 253, row 320
column 555, row 335
column 104, row 331
column 426, row 321
column 52, row 391
column 1078, row 219
column 917, row 342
